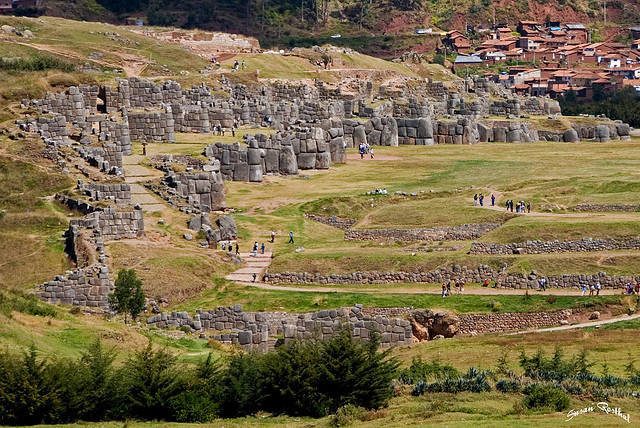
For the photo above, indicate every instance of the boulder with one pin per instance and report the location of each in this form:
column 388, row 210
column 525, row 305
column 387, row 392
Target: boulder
column 8, row 29
column 594, row 315
column 241, row 172
column 255, row 173
column 227, row 227
column 425, row 129
column 570, row 136
column 603, row 133
column 440, row 323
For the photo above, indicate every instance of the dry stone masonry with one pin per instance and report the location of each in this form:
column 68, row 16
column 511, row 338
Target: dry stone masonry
column 255, row 330
column 541, row 247
column 440, row 233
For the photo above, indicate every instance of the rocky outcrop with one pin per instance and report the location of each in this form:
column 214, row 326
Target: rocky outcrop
column 427, row 324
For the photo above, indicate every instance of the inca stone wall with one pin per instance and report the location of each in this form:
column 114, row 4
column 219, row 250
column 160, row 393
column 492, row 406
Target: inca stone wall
column 191, row 118
column 107, row 158
column 440, row 233
column 254, row 330
column 507, row 132
column 541, row 247
column 606, row 208
column 50, row 128
column 154, row 127
column 379, row 131
column 120, row 193
column 74, row 104
column 114, row 130
column 114, row 224
column 83, row 287
column 495, row 323
column 203, row 191
column 461, row 131
column 340, row 223
column 455, row 273
column 416, row 131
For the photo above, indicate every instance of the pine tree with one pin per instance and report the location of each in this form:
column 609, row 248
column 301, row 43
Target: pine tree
column 128, row 297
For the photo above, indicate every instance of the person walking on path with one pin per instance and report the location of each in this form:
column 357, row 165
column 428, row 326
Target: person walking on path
column 237, row 249
column 528, row 207
column 262, row 248
column 598, row 288
column 543, row 284
column 244, row 65
column 448, row 289
column 511, row 204
column 255, row 249
column 290, row 238
column 475, row 199
column 444, row 289
column 493, row 200
column 592, row 289
column 273, row 236
column 255, row 275
column 481, row 197
column 584, row 289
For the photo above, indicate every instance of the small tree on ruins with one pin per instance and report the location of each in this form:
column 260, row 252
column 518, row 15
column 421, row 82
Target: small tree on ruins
column 128, row 297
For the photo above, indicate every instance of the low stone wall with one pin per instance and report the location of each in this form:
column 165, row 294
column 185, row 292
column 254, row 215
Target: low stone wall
column 507, row 131
column 253, row 330
column 82, row 287
column 495, row 323
column 340, row 223
column 461, row 131
column 51, row 128
column 415, row 131
column 75, row 204
column 115, row 224
column 606, row 208
column 441, row 233
column 541, row 247
column 455, row 273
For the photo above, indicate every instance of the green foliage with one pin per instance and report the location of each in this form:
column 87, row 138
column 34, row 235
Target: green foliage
column 15, row 300
column 419, row 370
column 545, row 397
column 128, row 297
column 619, row 105
column 472, row 381
column 348, row 415
column 34, row 63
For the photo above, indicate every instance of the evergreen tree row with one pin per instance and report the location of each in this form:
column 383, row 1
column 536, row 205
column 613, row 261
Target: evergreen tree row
column 311, row 378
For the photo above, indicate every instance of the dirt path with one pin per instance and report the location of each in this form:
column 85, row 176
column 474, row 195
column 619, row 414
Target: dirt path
column 501, row 207
column 580, row 325
column 133, row 65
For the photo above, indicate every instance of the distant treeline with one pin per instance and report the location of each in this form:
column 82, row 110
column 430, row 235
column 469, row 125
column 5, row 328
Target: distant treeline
column 621, row 105
column 312, row 378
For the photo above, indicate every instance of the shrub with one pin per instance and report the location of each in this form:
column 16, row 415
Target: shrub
column 504, row 385
column 495, row 306
column 545, row 396
column 75, row 310
column 348, row 415
column 419, row 370
column 551, row 299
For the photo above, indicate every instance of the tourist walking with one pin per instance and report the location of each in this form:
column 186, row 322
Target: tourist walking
column 254, row 277
column 273, row 236
column 584, row 289
column 444, row 289
column 592, row 289
column 237, row 249
column 543, row 284
column 598, row 287
column 475, row 199
column 244, row 65
column 290, row 238
column 528, row 207
column 448, row 289
column 481, row 198
column 255, row 249
column 493, row 200
column 262, row 248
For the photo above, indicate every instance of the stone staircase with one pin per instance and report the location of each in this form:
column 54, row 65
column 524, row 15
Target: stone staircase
column 136, row 174
column 251, row 265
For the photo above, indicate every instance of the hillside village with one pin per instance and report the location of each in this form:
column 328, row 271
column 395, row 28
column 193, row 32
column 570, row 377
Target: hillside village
column 550, row 59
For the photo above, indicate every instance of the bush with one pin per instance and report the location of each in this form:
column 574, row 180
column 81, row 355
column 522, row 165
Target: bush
column 419, row 370
column 545, row 396
column 35, row 63
column 348, row 415
column 504, row 385
column 495, row 306
column 551, row 299
column 75, row 310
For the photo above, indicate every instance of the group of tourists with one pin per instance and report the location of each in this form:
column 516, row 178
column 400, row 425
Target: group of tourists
column 594, row 289
column 255, row 249
column 479, row 199
column 446, row 288
column 236, row 65
column 631, row 289
column 219, row 130
column 228, row 246
column 521, row 206
column 365, row 148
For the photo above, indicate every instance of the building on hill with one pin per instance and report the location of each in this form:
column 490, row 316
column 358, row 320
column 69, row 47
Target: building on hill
column 455, row 41
column 577, row 32
column 529, row 28
column 466, row 61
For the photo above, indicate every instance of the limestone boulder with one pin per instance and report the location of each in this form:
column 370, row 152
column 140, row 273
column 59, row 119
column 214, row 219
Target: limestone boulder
column 307, row 160
column 337, row 150
column 570, row 136
column 288, row 161
column 227, row 227
column 323, row 160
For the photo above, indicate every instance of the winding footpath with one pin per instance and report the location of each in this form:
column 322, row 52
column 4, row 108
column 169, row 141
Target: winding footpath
column 579, row 325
